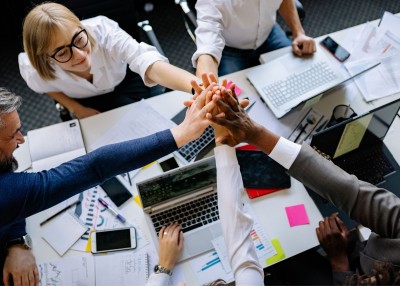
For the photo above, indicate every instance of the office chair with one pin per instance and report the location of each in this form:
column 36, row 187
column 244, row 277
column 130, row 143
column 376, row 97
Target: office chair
column 124, row 13
column 190, row 22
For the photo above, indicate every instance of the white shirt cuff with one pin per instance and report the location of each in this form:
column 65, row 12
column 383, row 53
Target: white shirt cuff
column 226, row 156
column 285, row 152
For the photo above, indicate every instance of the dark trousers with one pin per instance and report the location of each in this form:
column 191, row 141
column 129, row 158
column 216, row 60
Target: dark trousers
column 130, row 90
column 233, row 60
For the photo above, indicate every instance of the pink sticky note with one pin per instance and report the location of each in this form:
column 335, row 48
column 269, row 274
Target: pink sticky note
column 297, row 215
column 238, row 90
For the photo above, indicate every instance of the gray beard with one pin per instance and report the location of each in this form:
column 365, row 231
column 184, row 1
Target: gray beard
column 8, row 165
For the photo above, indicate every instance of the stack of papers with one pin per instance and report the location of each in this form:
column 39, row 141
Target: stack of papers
column 378, row 44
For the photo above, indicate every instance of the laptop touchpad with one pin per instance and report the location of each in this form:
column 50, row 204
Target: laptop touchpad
column 197, row 242
column 295, row 63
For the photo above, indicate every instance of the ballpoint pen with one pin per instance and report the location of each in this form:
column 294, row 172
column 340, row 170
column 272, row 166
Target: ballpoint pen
column 60, row 211
column 105, row 204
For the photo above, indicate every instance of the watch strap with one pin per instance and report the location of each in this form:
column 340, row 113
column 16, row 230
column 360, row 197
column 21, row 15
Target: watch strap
column 22, row 240
column 161, row 269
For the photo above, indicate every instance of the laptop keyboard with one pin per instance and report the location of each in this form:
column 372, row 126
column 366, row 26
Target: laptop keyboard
column 370, row 165
column 190, row 215
column 295, row 85
column 192, row 149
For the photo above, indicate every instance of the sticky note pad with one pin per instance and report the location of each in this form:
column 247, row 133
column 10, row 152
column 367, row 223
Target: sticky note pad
column 238, row 90
column 137, row 200
column 280, row 254
column 297, row 215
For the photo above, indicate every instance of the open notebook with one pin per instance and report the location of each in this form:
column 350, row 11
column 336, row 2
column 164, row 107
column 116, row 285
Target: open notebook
column 55, row 144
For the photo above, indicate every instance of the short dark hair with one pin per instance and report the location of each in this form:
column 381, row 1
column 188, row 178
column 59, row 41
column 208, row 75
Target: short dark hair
column 382, row 274
column 9, row 102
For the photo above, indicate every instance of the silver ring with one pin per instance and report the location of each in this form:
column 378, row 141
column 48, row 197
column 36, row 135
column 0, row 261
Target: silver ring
column 165, row 234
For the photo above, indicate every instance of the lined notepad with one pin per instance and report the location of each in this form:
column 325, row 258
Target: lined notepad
column 122, row 268
column 63, row 231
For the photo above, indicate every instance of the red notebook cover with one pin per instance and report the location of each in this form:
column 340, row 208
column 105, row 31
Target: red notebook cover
column 253, row 192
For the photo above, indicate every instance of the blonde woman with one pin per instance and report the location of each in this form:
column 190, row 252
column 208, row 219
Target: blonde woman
column 90, row 66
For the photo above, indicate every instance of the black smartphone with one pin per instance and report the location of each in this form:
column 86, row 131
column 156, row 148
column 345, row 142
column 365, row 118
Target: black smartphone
column 113, row 239
column 168, row 164
column 340, row 53
column 116, row 191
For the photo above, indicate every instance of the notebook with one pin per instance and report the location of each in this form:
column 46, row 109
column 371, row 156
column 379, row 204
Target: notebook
column 188, row 195
column 62, row 231
column 357, row 146
column 289, row 80
column 53, row 145
column 122, row 268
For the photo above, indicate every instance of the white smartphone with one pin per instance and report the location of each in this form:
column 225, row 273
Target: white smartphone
column 113, row 239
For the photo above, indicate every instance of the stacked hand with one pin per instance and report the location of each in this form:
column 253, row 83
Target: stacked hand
column 226, row 100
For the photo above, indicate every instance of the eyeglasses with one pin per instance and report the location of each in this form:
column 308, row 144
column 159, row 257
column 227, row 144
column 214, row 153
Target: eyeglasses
column 341, row 113
column 64, row 54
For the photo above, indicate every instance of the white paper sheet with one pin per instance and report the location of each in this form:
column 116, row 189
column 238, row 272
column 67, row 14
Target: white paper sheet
column 74, row 270
column 62, row 231
column 141, row 120
column 122, row 268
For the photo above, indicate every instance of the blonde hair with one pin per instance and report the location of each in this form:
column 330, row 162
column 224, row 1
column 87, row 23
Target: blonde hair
column 41, row 25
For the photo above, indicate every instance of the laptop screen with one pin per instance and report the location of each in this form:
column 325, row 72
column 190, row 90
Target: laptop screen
column 178, row 182
column 357, row 132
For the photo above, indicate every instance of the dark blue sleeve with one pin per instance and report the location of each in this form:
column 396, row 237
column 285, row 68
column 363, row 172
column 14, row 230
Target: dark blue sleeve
column 17, row 229
column 24, row 194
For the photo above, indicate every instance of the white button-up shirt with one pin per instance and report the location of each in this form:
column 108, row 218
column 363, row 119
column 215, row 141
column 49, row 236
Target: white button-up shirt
column 242, row 24
column 114, row 50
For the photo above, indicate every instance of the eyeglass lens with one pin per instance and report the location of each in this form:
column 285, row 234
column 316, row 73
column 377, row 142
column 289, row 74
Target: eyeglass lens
column 79, row 41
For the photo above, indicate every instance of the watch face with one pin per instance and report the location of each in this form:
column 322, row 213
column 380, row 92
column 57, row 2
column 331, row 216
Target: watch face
column 28, row 240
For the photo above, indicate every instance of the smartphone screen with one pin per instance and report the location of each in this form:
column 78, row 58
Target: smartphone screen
column 335, row 49
column 169, row 164
column 115, row 239
column 116, row 191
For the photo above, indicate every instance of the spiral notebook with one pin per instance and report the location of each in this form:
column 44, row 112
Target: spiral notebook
column 122, row 268
column 63, row 231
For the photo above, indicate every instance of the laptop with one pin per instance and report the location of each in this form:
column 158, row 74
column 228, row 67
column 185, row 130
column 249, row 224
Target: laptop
column 290, row 80
column 188, row 195
column 357, row 146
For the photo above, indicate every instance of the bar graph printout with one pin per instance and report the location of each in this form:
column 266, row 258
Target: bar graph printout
column 208, row 267
column 74, row 271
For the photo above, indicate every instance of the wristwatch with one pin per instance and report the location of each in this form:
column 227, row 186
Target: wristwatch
column 24, row 240
column 161, row 269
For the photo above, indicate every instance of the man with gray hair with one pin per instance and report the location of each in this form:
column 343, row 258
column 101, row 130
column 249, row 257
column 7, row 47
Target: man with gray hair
column 19, row 261
column 24, row 194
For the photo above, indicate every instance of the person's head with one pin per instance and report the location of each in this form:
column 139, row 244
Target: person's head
column 53, row 35
column 10, row 130
column 381, row 274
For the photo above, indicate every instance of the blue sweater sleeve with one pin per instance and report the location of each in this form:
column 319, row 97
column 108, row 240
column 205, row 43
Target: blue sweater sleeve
column 17, row 229
column 24, row 194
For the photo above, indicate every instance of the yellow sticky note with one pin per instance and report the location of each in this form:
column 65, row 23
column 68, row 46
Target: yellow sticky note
column 148, row 165
column 280, row 254
column 89, row 243
column 137, row 200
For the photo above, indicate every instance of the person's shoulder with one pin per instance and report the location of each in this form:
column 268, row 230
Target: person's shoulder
column 99, row 22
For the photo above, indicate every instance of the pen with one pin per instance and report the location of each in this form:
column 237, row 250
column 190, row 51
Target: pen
column 129, row 179
column 119, row 217
column 57, row 213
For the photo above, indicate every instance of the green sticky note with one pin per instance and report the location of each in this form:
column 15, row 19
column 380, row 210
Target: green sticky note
column 280, row 254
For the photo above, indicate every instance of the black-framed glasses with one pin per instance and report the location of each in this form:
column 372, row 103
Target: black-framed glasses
column 64, row 54
column 341, row 113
